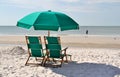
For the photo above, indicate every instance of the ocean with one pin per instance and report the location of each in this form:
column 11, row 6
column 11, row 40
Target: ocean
column 92, row 30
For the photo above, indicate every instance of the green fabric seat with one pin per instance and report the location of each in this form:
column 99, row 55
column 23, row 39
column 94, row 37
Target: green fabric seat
column 33, row 39
column 34, row 47
column 52, row 40
column 53, row 46
column 54, row 53
column 54, row 50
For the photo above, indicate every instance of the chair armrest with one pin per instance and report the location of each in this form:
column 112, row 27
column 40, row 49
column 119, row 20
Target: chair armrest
column 65, row 49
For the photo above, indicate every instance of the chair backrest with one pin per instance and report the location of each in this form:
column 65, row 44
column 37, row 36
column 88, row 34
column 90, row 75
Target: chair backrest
column 53, row 40
column 53, row 46
column 34, row 46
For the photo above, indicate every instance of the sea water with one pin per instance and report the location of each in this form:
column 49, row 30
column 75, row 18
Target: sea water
column 92, row 30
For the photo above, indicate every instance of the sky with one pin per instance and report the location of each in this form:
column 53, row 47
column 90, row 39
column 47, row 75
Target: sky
column 84, row 12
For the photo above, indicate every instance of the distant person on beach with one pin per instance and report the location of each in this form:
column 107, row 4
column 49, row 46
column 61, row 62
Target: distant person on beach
column 86, row 31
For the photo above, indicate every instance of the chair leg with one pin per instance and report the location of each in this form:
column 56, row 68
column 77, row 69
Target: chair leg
column 54, row 60
column 36, row 58
column 45, row 59
column 66, row 59
column 42, row 63
column 70, row 57
column 27, row 60
column 61, row 62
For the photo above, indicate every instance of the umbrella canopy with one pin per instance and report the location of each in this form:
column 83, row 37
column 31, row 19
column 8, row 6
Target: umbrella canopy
column 48, row 20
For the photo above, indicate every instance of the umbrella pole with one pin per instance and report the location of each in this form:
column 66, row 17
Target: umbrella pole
column 48, row 33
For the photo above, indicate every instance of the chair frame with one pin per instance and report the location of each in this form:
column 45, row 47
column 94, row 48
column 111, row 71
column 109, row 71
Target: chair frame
column 65, row 49
column 29, row 52
column 47, row 53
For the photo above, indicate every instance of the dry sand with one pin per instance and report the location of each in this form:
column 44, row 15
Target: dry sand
column 73, row 40
column 91, row 57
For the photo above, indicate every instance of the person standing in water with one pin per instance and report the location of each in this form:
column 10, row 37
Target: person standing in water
column 86, row 31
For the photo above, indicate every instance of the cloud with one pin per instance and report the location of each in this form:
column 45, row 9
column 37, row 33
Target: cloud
column 58, row 5
column 70, row 1
column 30, row 4
column 62, row 5
column 100, row 1
column 81, row 9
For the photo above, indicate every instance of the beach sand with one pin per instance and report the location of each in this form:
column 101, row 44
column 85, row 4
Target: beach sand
column 92, row 56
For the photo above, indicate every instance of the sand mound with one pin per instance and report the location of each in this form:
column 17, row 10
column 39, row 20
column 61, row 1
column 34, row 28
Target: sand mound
column 17, row 51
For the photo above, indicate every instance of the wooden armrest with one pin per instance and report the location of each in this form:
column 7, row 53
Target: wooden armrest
column 65, row 49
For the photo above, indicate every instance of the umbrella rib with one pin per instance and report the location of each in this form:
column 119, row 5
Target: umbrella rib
column 36, row 18
column 57, row 20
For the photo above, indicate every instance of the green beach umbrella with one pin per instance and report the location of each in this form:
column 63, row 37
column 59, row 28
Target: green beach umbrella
column 48, row 20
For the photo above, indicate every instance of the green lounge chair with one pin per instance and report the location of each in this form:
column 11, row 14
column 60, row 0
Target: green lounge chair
column 53, row 52
column 34, row 48
column 56, row 40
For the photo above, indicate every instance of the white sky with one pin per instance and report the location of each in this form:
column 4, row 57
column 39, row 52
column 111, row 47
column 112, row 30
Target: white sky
column 85, row 12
